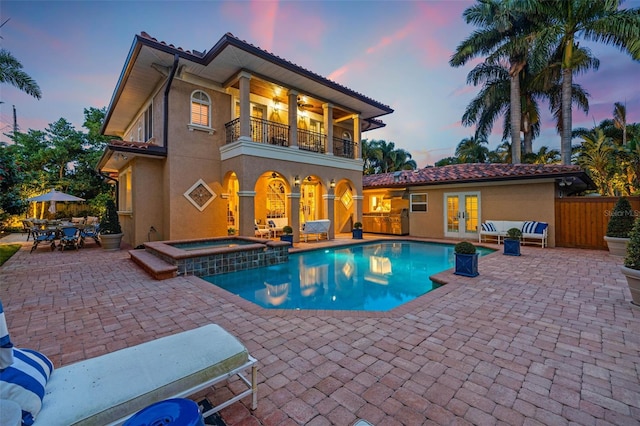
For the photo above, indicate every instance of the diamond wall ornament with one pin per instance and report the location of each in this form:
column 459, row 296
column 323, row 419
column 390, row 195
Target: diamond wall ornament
column 200, row 195
column 347, row 198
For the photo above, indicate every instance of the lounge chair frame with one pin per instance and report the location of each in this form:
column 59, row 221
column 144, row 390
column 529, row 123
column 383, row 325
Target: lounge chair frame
column 91, row 391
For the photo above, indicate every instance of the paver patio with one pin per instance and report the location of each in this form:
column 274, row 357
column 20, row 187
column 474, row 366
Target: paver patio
column 546, row 338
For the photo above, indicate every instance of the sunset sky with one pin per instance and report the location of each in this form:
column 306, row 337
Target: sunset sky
column 395, row 52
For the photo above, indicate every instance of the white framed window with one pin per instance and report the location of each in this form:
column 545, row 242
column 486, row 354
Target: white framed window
column 200, row 112
column 419, row 203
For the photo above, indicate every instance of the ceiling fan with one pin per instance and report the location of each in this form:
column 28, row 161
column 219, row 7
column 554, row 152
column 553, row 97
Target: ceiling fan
column 303, row 105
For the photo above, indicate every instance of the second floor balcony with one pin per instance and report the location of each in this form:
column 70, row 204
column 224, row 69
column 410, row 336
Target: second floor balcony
column 274, row 133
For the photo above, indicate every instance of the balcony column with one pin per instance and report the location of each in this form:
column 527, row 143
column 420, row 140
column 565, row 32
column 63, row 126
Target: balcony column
column 294, row 212
column 327, row 110
column 357, row 151
column 244, row 80
column 293, row 119
column 329, row 200
column 357, row 208
column 246, row 217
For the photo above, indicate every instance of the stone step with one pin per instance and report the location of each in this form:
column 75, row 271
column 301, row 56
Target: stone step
column 153, row 265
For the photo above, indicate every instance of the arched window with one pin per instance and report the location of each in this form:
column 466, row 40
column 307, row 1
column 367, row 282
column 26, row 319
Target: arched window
column 200, row 109
column 346, row 136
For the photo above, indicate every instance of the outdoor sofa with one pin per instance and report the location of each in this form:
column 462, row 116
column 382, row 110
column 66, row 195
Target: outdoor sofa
column 532, row 232
column 108, row 389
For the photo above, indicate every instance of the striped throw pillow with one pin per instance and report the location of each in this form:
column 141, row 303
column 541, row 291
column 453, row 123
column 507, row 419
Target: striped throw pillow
column 24, row 381
column 488, row 227
column 6, row 347
column 529, row 227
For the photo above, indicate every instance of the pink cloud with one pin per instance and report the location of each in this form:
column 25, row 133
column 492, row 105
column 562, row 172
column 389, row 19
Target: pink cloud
column 386, row 41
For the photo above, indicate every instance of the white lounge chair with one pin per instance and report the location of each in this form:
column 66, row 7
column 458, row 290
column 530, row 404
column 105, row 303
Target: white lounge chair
column 108, row 389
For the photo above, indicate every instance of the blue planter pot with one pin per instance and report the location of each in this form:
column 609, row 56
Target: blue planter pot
column 288, row 238
column 512, row 247
column 467, row 265
column 357, row 233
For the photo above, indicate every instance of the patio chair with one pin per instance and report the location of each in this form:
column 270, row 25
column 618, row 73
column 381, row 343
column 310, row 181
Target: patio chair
column 92, row 231
column 262, row 231
column 47, row 236
column 27, row 226
column 70, row 237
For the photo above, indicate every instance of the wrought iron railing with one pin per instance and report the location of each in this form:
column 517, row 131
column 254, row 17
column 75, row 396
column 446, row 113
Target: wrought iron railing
column 344, row 148
column 311, row 141
column 262, row 131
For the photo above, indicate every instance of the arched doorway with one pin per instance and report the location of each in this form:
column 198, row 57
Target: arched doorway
column 233, row 186
column 310, row 199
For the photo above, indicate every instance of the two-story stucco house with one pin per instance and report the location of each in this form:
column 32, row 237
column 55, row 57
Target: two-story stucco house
column 231, row 137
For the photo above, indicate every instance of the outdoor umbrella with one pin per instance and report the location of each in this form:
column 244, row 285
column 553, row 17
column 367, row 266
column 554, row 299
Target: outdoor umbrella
column 54, row 196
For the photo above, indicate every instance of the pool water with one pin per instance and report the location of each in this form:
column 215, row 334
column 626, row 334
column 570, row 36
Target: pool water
column 367, row 277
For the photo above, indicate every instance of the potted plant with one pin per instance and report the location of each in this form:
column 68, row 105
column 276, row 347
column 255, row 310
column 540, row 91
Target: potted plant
column 231, row 231
column 512, row 242
column 356, row 232
column 110, row 230
column 631, row 268
column 287, row 234
column 466, row 259
column 619, row 226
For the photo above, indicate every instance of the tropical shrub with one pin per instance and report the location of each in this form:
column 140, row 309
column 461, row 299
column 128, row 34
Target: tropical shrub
column 632, row 260
column 110, row 223
column 621, row 220
column 464, row 247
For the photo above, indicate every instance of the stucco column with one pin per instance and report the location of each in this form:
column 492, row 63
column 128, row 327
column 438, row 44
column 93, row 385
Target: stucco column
column 293, row 118
column 294, row 212
column 244, row 81
column 357, row 151
column 329, row 201
column 357, row 208
column 327, row 110
column 246, row 215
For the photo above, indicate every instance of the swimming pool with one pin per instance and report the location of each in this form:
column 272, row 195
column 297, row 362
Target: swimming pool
column 376, row 276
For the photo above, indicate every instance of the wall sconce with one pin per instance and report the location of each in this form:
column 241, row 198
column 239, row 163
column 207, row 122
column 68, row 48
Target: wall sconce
column 276, row 104
column 296, row 180
column 332, row 184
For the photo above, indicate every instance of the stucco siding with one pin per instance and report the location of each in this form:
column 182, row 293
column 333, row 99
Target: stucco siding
column 515, row 201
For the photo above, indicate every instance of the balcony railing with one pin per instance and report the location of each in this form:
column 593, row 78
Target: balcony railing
column 312, row 141
column 343, row 148
column 273, row 133
column 262, row 131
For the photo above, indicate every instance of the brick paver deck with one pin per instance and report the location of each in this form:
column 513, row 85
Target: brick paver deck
column 546, row 338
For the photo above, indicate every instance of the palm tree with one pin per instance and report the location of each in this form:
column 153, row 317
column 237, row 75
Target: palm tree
column 383, row 157
column 472, row 150
column 567, row 20
column 620, row 120
column 597, row 156
column 494, row 100
column 543, row 156
column 502, row 36
column 11, row 72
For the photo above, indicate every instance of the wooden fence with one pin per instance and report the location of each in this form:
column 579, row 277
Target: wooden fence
column 581, row 222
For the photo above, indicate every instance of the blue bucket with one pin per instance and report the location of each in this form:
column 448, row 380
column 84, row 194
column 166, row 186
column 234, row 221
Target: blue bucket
column 171, row 412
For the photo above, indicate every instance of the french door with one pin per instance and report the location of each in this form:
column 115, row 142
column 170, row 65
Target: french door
column 462, row 214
